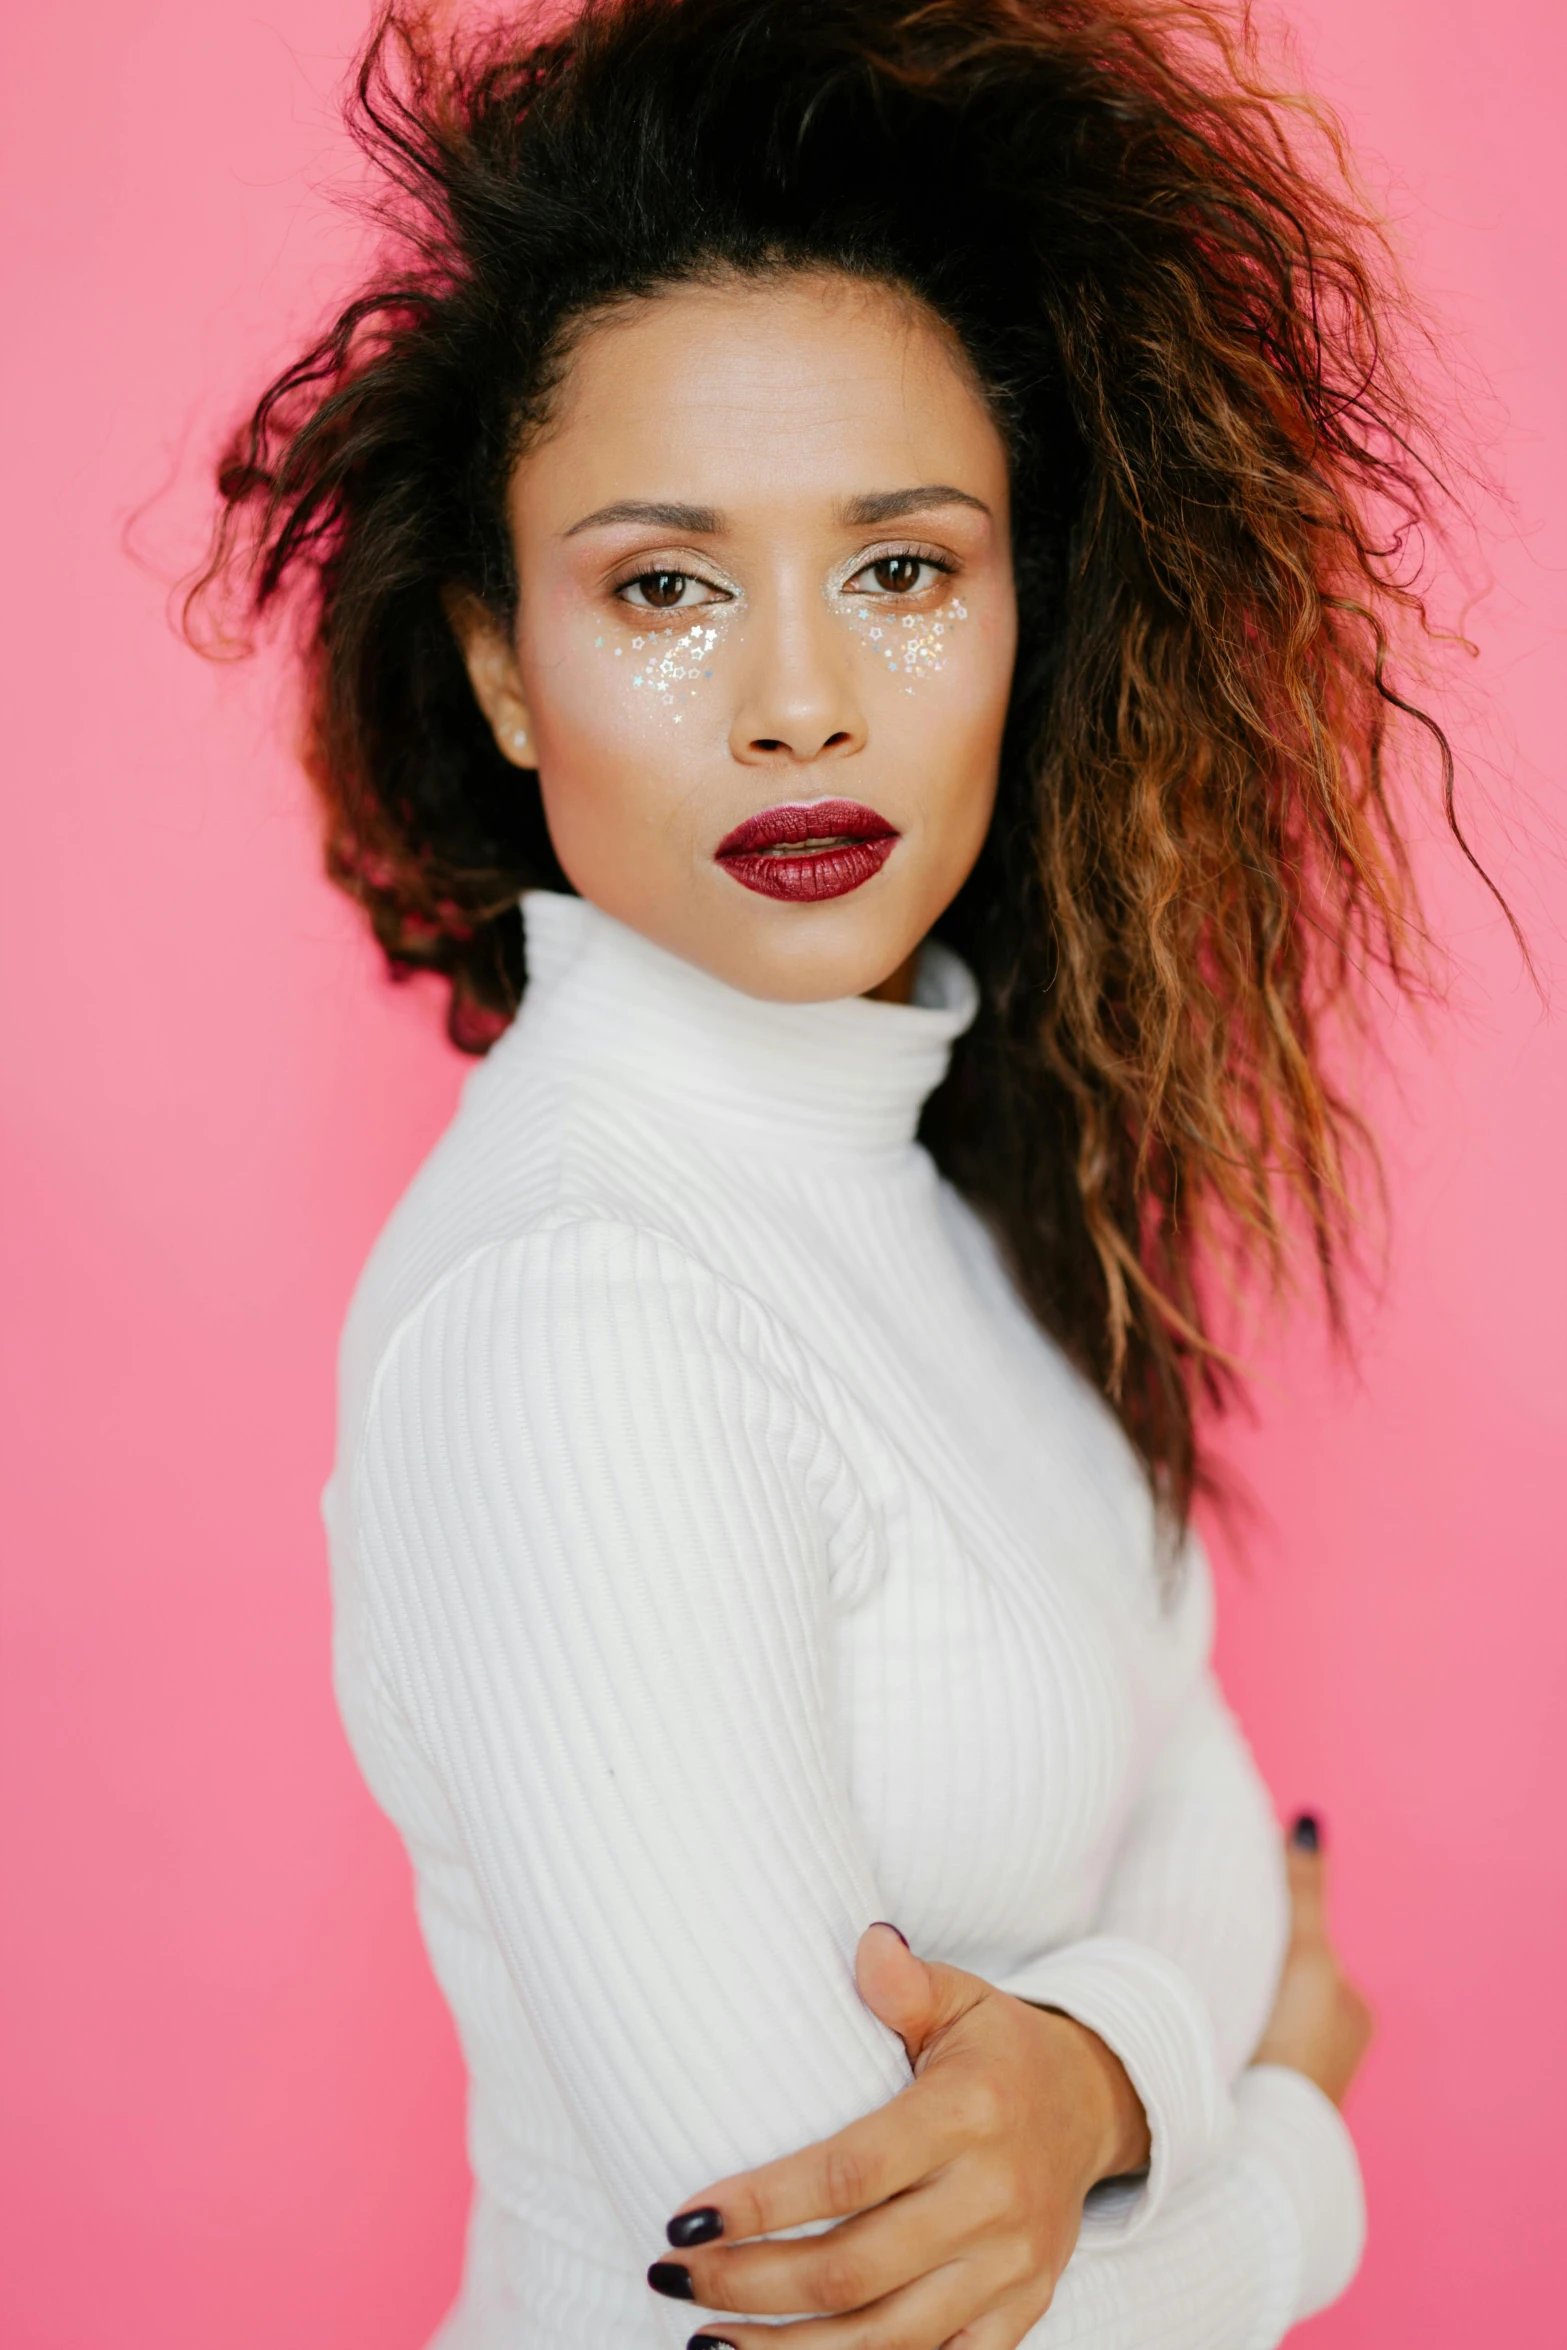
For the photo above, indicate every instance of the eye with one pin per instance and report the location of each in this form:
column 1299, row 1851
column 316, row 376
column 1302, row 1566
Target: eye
column 667, row 591
column 897, row 575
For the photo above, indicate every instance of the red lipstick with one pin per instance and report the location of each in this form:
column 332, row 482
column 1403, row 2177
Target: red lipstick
column 814, row 849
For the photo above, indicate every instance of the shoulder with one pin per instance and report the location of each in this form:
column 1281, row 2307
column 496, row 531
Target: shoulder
column 586, row 1317
column 595, row 1391
column 526, row 1162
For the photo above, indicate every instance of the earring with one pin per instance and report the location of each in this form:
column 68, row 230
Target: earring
column 519, row 738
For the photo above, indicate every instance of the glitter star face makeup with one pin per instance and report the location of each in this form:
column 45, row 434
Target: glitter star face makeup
column 871, row 596
column 918, row 644
column 670, row 669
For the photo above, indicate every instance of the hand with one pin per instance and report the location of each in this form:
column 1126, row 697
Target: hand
column 960, row 2200
column 1320, row 2025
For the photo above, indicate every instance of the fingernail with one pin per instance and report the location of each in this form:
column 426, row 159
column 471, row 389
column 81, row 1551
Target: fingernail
column 672, row 2278
column 892, row 1929
column 1306, row 1832
column 695, row 2227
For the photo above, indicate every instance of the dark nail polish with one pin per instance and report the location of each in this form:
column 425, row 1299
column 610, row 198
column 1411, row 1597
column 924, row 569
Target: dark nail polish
column 672, row 2278
column 695, row 2227
column 892, row 1929
column 1306, row 1832
column 709, row 2342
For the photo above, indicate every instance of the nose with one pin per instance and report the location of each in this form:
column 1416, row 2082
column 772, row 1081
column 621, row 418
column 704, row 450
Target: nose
column 798, row 703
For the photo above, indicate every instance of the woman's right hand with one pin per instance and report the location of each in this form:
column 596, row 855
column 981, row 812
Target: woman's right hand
column 1320, row 2025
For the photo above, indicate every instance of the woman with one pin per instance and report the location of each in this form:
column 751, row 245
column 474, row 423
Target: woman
column 864, row 519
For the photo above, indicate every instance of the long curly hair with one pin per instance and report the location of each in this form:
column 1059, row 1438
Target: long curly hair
column 1179, row 308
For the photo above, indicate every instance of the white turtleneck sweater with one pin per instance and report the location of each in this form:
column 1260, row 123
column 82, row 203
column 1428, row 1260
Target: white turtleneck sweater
column 724, row 1560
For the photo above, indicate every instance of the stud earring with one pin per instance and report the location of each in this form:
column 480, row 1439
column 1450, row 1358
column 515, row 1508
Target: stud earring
column 519, row 738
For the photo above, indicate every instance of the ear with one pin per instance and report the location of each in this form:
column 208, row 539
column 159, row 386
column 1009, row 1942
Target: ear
column 490, row 659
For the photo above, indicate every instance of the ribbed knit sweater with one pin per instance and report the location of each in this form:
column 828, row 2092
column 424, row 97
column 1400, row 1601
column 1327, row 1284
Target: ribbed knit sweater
column 724, row 1560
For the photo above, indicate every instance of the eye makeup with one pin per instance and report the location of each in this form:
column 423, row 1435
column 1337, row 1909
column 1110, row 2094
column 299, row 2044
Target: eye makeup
column 912, row 644
column 666, row 667
column 669, row 666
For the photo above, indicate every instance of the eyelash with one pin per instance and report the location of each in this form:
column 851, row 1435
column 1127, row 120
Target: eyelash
column 720, row 593
column 925, row 557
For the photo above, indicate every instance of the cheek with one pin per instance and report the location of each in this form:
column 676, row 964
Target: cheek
column 616, row 717
column 937, row 694
column 937, row 684
column 909, row 646
column 665, row 671
column 599, row 689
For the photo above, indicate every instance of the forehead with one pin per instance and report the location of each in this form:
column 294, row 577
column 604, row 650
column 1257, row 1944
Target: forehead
column 756, row 393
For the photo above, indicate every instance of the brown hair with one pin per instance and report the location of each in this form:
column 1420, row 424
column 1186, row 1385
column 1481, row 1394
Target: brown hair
column 1217, row 479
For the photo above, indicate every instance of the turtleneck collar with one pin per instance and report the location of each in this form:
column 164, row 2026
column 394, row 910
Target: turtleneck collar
column 849, row 1075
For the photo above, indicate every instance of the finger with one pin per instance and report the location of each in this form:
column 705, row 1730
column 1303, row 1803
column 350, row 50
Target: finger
column 895, row 1985
column 1307, row 1870
column 1000, row 2329
column 915, row 1997
column 927, row 2313
column 887, row 2151
column 852, row 2265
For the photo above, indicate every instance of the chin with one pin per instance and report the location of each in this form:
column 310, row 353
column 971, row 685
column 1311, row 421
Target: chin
column 779, row 951
column 806, row 954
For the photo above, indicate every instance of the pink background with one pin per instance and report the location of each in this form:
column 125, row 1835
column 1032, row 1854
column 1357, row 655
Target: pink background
column 232, row 2103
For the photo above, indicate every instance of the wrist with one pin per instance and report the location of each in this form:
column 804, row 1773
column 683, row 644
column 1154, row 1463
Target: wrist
column 1115, row 2127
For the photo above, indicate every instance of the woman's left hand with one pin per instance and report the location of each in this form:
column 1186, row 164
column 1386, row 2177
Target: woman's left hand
column 959, row 2201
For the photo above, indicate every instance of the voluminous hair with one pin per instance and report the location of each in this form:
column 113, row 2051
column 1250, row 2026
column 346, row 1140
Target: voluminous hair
column 1177, row 308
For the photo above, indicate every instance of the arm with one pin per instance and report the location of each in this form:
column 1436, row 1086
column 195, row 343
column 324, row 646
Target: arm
column 1266, row 2234
column 1276, row 2228
column 1264, row 2237
column 1180, row 1981
column 1262, row 2233
column 597, row 1530
column 1180, row 1972
column 1199, row 1875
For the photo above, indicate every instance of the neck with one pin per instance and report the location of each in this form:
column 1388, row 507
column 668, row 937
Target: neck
column 898, row 986
column 847, row 1075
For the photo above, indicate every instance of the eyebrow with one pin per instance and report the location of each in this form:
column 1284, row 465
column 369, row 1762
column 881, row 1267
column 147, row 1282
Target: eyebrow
column 892, row 505
column 707, row 522
column 698, row 521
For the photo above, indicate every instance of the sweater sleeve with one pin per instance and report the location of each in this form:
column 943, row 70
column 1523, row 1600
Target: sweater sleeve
column 1199, row 1874
column 1264, row 2236
column 1179, row 1979
column 599, row 1535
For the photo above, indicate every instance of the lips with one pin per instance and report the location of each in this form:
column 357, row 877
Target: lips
column 807, row 850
